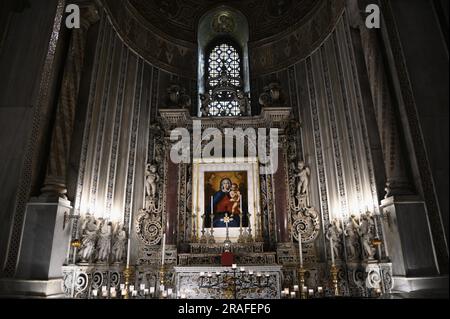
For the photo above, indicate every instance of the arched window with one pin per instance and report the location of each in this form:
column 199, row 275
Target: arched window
column 224, row 78
column 223, row 75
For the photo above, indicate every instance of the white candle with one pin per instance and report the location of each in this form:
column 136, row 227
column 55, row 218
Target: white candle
column 146, row 291
column 134, row 294
column 95, row 293
column 202, row 274
column 132, row 288
column 311, row 292
column 332, row 251
column 320, row 290
column 293, row 295
column 122, row 286
column 163, row 251
column 242, row 269
column 169, row 292
column 296, row 288
column 300, row 249
column 142, row 286
column 234, row 266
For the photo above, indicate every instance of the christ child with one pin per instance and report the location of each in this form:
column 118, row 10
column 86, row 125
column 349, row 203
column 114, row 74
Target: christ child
column 235, row 198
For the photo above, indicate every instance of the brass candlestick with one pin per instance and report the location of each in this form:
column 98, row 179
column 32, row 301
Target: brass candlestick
column 301, row 281
column 334, row 279
column 127, row 273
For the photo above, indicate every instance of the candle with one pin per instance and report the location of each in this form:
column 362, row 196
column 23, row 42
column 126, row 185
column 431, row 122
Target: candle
column 209, row 275
column 332, row 251
column 104, row 288
column 95, row 292
column 311, row 292
column 169, row 292
column 124, row 292
column 300, row 249
column 217, row 273
column 146, row 291
column 113, row 294
column 234, row 266
column 212, row 206
column 131, row 288
column 293, row 295
column 134, row 294
column 202, row 274
column 259, row 274
column 152, row 290
column 251, row 272
column 163, row 252
column 320, row 290
column 122, row 286
column 142, row 286
column 296, row 288
column 305, row 289
column 183, row 296
column 242, row 269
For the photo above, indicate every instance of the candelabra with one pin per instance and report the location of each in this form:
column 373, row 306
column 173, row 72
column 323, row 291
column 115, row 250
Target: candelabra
column 234, row 280
column 334, row 279
column 301, row 281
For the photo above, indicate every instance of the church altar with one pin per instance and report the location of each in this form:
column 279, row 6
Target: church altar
column 252, row 282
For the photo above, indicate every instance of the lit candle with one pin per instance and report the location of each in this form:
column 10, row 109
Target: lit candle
column 122, row 287
column 296, row 288
column 95, row 292
column 152, row 290
column 124, row 292
column 259, row 274
column 142, row 286
column 242, row 269
column 320, row 290
column 134, row 294
column 104, row 288
column 293, row 295
column 234, row 266
column 311, row 292
column 202, row 274
column 217, row 273
column 113, row 294
column 305, row 289
column 251, row 272
column 332, row 251
column 300, row 249
column 132, row 288
column 209, row 275
column 146, row 291
column 163, row 252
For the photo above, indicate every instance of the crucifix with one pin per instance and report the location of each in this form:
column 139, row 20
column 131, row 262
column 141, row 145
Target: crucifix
column 227, row 220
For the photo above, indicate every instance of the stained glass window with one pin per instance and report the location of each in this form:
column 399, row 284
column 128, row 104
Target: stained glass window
column 224, row 80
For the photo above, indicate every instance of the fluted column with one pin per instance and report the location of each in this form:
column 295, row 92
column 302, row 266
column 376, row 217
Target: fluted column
column 55, row 184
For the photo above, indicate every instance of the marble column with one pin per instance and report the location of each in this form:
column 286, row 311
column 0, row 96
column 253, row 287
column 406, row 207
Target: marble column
column 281, row 201
column 55, row 184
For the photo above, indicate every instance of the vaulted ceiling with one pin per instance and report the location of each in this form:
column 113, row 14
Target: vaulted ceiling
column 179, row 18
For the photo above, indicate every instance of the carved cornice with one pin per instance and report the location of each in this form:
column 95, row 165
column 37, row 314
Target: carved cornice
column 278, row 117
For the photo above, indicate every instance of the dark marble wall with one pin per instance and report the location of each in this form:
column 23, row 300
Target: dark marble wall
column 24, row 48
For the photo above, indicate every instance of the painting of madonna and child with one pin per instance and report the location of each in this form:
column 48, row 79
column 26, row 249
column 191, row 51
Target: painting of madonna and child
column 226, row 194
